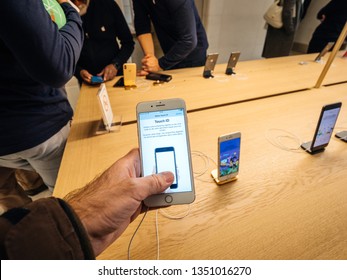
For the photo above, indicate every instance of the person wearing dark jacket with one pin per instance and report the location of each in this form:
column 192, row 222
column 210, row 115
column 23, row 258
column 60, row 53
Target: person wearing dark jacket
column 333, row 17
column 87, row 221
column 36, row 60
column 103, row 25
column 279, row 41
column 180, row 32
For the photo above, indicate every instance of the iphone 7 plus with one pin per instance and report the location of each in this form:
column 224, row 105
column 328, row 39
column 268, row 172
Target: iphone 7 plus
column 164, row 146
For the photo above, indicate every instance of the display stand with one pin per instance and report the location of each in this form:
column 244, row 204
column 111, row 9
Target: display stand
column 130, row 87
column 214, row 174
column 230, row 71
column 109, row 121
column 307, row 147
column 114, row 126
column 342, row 135
column 208, row 74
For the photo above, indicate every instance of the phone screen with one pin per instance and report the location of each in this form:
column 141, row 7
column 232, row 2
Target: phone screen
column 164, row 147
column 326, row 127
column 229, row 157
column 165, row 160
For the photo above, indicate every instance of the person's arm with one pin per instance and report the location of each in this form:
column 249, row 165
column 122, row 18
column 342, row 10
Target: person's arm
column 332, row 9
column 87, row 221
column 107, row 205
column 127, row 43
column 146, row 43
column 143, row 27
column 35, row 40
column 46, row 229
column 184, row 18
column 143, row 33
column 124, row 36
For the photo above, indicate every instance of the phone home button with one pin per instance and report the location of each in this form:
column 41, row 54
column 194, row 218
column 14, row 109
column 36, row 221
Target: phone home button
column 168, row 199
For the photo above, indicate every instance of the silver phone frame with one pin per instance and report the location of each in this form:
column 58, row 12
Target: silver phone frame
column 177, row 197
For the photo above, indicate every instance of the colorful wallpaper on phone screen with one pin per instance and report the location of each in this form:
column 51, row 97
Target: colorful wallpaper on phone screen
column 229, row 156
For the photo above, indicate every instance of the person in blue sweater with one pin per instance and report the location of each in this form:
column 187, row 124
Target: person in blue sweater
column 180, row 32
column 103, row 25
column 37, row 59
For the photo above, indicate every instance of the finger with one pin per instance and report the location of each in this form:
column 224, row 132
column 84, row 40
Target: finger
column 142, row 73
column 156, row 183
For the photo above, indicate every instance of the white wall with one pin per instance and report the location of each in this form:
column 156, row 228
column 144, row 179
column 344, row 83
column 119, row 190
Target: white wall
column 238, row 25
column 235, row 25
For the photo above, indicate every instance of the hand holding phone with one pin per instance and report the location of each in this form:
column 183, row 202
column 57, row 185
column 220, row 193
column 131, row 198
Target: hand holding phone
column 164, row 146
column 324, row 129
column 229, row 146
column 96, row 80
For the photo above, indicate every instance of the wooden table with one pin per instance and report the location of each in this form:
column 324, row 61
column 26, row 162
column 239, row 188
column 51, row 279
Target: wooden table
column 285, row 205
column 254, row 79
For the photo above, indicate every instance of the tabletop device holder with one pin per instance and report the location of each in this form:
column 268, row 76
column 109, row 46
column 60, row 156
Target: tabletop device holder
column 130, row 87
column 214, row 174
column 342, row 135
column 307, row 147
column 230, row 71
column 115, row 125
column 208, row 74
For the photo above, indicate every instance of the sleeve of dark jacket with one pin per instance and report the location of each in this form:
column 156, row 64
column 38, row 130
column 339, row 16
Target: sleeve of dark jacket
column 46, row 229
column 49, row 55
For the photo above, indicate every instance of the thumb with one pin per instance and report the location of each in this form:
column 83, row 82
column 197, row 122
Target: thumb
column 156, row 183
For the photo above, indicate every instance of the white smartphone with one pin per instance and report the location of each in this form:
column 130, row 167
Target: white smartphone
column 324, row 51
column 129, row 73
column 324, row 129
column 210, row 63
column 164, row 146
column 229, row 147
column 233, row 59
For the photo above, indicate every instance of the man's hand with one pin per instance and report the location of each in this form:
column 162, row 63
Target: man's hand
column 109, row 72
column 150, row 63
column 86, row 76
column 108, row 204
